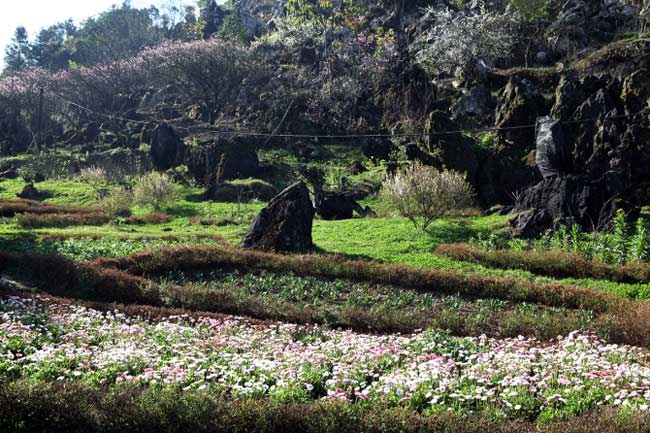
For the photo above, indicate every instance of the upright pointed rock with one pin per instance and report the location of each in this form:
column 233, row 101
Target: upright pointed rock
column 285, row 224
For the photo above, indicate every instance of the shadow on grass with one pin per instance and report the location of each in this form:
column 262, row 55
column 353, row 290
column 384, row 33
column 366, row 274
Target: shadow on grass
column 24, row 243
column 181, row 210
column 43, row 194
column 319, row 250
column 196, row 198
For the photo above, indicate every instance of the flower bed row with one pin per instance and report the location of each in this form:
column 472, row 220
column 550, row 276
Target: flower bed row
column 427, row 371
column 165, row 260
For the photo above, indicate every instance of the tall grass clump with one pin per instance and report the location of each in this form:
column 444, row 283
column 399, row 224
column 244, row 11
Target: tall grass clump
column 423, row 194
column 640, row 243
column 155, row 189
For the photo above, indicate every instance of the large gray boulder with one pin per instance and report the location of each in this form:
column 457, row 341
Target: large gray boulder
column 285, row 224
column 520, row 104
column 583, row 23
column 593, row 155
column 568, row 200
column 475, row 102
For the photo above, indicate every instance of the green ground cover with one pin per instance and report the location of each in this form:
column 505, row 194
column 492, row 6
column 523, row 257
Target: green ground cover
column 388, row 239
column 317, row 305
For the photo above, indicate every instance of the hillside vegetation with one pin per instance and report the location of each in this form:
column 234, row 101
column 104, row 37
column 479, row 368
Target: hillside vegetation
column 328, row 216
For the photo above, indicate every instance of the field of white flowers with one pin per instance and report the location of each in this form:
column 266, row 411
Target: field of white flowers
column 44, row 341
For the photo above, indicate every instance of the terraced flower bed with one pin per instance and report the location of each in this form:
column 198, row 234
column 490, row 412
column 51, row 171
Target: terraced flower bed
column 363, row 306
column 425, row 371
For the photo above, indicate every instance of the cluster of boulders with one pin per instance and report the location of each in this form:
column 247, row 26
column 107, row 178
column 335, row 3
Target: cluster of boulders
column 581, row 22
column 592, row 152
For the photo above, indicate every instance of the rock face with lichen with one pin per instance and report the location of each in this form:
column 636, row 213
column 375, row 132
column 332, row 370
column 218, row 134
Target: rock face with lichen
column 285, row 224
column 511, row 164
column 593, row 154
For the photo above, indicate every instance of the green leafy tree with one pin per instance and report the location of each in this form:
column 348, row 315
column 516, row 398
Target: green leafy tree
column 233, row 28
column 531, row 10
column 17, row 53
column 116, row 34
column 532, row 14
column 54, row 48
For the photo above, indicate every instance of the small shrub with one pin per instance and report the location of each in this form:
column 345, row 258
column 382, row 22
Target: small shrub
column 422, row 194
column 155, row 189
column 95, row 177
column 117, row 203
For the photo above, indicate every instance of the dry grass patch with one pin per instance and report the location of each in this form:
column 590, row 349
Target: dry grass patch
column 152, row 218
column 554, row 264
column 37, row 221
column 10, row 208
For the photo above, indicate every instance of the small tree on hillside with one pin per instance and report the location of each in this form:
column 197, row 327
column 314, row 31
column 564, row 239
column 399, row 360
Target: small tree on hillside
column 423, row 194
column 459, row 42
column 531, row 13
column 154, row 189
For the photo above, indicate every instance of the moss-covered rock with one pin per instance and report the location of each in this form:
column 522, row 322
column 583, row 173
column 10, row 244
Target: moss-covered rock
column 636, row 92
column 520, row 104
column 242, row 190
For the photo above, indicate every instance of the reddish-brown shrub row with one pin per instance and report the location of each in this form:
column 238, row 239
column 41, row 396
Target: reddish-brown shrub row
column 431, row 280
column 9, row 208
column 556, row 264
column 63, row 277
column 72, row 408
column 35, row 221
column 630, row 324
column 212, row 221
column 151, row 218
column 63, row 236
